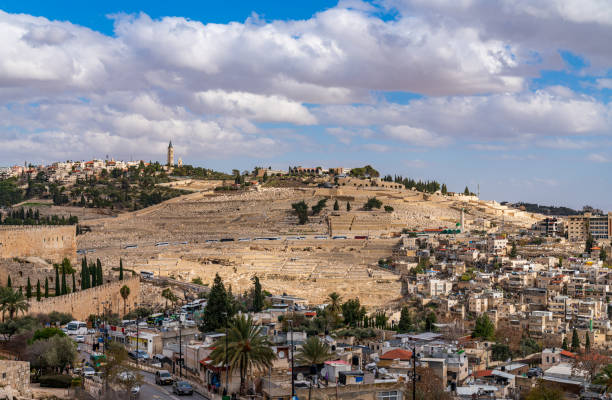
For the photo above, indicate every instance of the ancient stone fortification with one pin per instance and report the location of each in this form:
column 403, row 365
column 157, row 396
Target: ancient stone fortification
column 15, row 378
column 47, row 242
column 91, row 301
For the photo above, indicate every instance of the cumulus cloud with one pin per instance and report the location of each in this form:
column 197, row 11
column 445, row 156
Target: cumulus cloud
column 415, row 136
column 503, row 116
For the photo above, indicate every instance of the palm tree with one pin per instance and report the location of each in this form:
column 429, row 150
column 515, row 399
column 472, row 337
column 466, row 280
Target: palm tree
column 168, row 294
column 246, row 348
column 125, row 293
column 334, row 302
column 12, row 301
column 313, row 352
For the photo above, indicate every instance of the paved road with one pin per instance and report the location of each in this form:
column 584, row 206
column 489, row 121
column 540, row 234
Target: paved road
column 148, row 390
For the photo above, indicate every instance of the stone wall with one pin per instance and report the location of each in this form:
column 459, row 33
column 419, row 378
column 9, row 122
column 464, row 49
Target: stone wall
column 91, row 301
column 15, row 377
column 47, row 242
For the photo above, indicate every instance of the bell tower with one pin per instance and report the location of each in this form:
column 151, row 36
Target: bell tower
column 170, row 155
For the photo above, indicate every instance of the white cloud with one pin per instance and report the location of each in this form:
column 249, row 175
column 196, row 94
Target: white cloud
column 598, row 158
column 415, row 136
column 603, row 83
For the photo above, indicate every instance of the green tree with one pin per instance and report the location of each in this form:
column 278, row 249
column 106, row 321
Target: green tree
column 587, row 343
column 348, row 206
column 466, row 191
column 484, row 328
column 12, row 302
column 169, row 295
column 301, row 209
column 336, row 205
column 513, row 251
column 313, row 352
column 247, row 349
column 545, row 391
column 216, row 311
column 58, row 289
column 29, row 289
column 589, row 244
column 38, row 293
column 353, row 312
column 64, row 287
column 444, row 190
column 372, row 202
column 335, row 301
column 47, row 333
column 564, row 345
column 121, row 269
column 430, row 321
column 575, row 341
column 84, row 274
column 603, row 256
column 99, row 275
column 405, row 323
column 500, row 352
column 125, row 293
column 8, row 282
column 258, row 297
column 46, row 287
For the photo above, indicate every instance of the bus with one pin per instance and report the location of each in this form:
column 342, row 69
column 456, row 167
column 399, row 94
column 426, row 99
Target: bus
column 155, row 319
column 76, row 328
column 146, row 274
column 97, row 359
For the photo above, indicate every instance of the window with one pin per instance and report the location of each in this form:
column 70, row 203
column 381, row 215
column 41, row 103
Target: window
column 391, row 395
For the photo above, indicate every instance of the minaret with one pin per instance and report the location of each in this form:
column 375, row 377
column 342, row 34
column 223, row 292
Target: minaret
column 462, row 222
column 170, row 155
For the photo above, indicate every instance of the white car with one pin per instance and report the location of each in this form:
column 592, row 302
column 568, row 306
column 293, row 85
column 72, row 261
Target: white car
column 79, row 339
column 88, row 372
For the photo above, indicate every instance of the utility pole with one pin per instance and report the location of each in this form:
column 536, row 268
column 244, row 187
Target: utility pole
column 292, row 376
column 414, row 374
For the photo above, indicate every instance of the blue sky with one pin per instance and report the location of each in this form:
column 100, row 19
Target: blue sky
column 513, row 96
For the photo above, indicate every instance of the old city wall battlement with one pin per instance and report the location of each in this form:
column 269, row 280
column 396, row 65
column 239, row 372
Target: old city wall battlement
column 47, row 242
column 83, row 303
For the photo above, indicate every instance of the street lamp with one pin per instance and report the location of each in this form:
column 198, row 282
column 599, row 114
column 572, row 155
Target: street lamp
column 179, row 329
column 226, row 366
column 292, row 377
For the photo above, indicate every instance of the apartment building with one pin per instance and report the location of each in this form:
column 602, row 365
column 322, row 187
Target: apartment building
column 550, row 227
column 579, row 226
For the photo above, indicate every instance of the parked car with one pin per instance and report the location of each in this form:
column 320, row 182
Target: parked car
column 534, row 372
column 163, row 377
column 79, row 339
column 88, row 372
column 135, row 392
column 182, row 387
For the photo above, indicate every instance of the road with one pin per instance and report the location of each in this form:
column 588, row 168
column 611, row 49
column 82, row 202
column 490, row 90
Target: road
column 148, row 390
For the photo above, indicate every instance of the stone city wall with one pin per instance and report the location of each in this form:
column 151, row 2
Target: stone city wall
column 47, row 242
column 15, row 378
column 83, row 303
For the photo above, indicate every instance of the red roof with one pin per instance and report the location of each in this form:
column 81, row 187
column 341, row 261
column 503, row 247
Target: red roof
column 480, row 374
column 397, row 354
column 568, row 354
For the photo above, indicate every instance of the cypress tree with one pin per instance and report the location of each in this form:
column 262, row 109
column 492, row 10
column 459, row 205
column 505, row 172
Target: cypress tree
column 587, row 343
column 8, row 282
column 46, row 287
column 348, row 206
column 29, row 289
column 99, row 277
column 38, row 294
column 64, row 288
column 21, row 290
column 336, row 205
column 58, row 289
column 258, row 297
column 120, row 269
column 74, row 288
column 92, row 273
column 214, row 314
column 575, row 341
column 84, row 273
column 564, row 345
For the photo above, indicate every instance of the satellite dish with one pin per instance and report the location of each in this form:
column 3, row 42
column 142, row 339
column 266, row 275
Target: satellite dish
column 281, row 354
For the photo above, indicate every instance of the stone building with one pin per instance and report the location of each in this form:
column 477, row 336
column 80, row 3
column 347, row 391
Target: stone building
column 170, row 155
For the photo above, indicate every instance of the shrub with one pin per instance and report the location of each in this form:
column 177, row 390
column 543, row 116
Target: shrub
column 372, row 202
column 388, row 209
column 55, row 381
